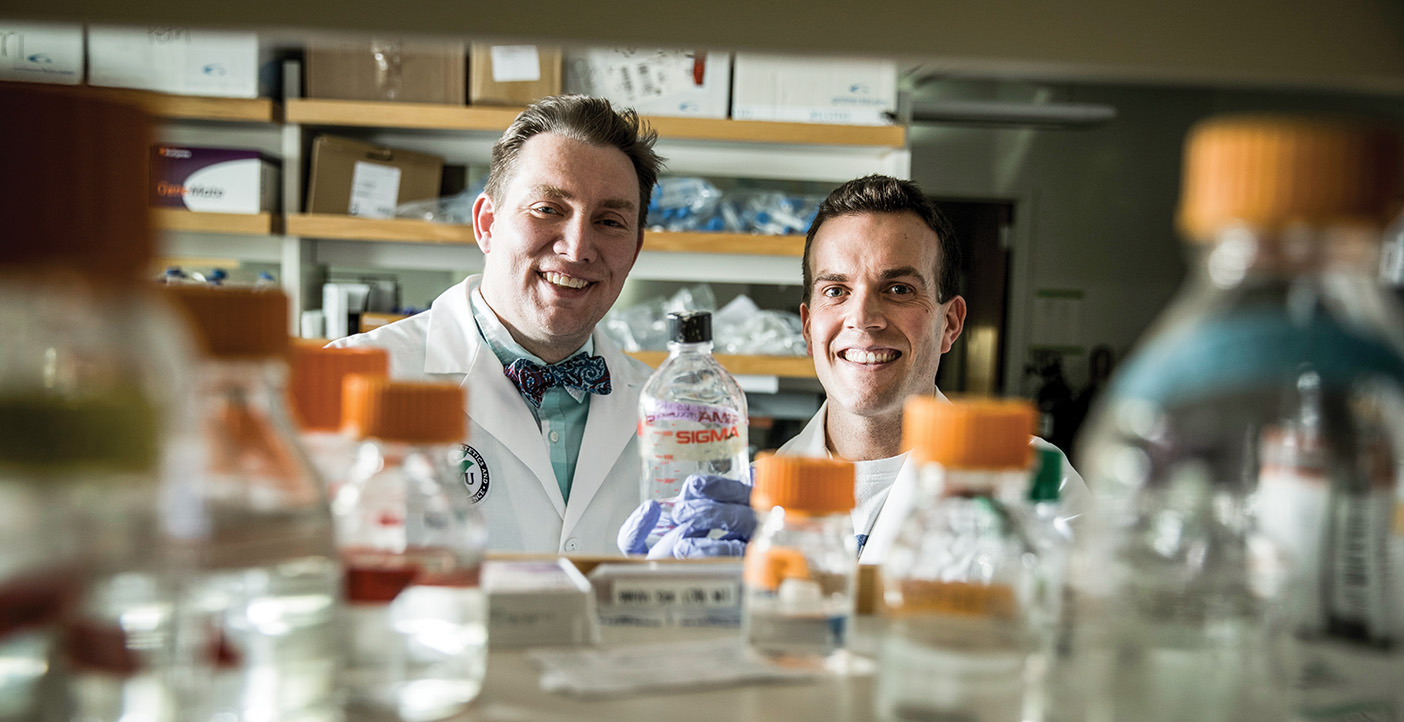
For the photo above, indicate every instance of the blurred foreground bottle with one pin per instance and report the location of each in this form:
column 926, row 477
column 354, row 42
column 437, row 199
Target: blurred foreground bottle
column 254, row 530
column 962, row 590
column 1244, row 560
column 801, row 567
column 92, row 386
column 315, row 396
column 413, row 548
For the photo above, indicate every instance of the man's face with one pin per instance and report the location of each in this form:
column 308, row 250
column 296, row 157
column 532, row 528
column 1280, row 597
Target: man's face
column 872, row 323
column 560, row 242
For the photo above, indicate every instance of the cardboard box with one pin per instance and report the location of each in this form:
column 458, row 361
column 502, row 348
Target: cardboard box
column 406, row 72
column 41, row 52
column 854, row 91
column 533, row 602
column 174, row 60
column 653, row 82
column 213, row 180
column 361, row 179
column 513, row 74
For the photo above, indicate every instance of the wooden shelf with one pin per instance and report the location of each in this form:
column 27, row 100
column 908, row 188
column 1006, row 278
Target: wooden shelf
column 764, row 131
column 733, row 243
column 365, row 113
column 170, row 219
column 496, row 119
column 191, row 107
column 351, row 228
column 787, row 366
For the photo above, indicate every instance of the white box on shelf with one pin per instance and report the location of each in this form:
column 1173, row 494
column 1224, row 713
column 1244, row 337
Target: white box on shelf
column 41, row 52
column 693, row 84
column 849, row 91
column 176, row 60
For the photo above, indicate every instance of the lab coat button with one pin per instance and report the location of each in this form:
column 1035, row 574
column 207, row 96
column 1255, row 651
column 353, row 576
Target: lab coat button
column 555, row 437
column 572, row 544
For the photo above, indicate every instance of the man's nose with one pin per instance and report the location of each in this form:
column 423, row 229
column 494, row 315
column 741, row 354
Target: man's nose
column 576, row 242
column 866, row 311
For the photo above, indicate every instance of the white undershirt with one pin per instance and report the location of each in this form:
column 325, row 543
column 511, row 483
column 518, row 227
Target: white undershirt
column 872, row 480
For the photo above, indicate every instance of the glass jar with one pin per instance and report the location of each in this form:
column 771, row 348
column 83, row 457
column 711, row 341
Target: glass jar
column 94, row 391
column 261, row 595
column 413, row 547
column 1245, row 557
column 801, row 565
column 962, row 582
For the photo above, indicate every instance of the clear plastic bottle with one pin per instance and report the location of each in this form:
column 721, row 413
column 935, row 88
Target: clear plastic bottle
column 413, row 548
column 692, row 416
column 315, row 398
column 262, row 595
column 93, row 383
column 1242, row 563
column 802, row 563
column 961, row 582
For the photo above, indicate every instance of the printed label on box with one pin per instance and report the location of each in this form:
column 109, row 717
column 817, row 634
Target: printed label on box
column 515, row 64
column 42, row 53
column 375, row 189
column 212, row 180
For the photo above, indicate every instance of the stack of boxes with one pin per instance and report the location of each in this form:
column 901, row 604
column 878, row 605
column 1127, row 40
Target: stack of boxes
column 353, row 177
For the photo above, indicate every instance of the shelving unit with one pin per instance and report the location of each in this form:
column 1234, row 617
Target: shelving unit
column 463, row 134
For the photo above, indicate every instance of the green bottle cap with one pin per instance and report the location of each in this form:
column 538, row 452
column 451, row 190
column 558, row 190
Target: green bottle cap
column 1049, row 476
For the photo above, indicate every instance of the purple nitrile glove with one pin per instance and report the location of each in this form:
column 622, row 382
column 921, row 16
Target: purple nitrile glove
column 713, row 517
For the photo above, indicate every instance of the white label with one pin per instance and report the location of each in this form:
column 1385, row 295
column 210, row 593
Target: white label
column 374, row 190
column 644, row 78
column 515, row 64
column 674, row 593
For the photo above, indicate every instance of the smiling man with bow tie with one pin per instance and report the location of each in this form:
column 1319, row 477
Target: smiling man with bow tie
column 551, row 456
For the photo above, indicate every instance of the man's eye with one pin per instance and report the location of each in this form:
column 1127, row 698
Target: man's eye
column 613, row 223
column 543, row 209
column 832, row 292
column 900, row 289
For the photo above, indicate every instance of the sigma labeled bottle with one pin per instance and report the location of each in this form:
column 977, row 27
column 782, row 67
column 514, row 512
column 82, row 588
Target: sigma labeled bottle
column 93, row 393
column 692, row 415
column 262, row 593
column 962, row 582
column 801, row 565
column 413, row 546
column 1244, row 559
column 315, row 396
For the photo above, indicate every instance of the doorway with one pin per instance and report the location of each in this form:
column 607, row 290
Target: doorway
column 975, row 364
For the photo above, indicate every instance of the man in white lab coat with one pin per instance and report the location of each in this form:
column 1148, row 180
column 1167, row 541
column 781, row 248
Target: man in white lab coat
column 551, row 455
column 881, row 305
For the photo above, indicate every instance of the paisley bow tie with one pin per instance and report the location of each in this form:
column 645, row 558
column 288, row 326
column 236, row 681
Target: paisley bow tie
column 587, row 373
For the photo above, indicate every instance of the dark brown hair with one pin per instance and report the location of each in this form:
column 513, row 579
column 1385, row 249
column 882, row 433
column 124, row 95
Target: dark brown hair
column 588, row 120
column 885, row 194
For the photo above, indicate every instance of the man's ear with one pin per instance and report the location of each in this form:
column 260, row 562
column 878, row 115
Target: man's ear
column 955, row 322
column 804, row 328
column 483, row 216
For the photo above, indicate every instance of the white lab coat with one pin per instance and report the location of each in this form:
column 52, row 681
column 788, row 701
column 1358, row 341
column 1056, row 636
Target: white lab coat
column 813, row 441
column 523, row 504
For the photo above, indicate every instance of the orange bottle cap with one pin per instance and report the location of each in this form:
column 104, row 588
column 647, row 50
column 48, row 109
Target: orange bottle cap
column 1269, row 172
column 803, row 484
column 403, row 411
column 73, row 190
column 317, row 374
column 973, row 433
column 234, row 322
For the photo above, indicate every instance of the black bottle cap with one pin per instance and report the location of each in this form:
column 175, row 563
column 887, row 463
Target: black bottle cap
column 690, row 327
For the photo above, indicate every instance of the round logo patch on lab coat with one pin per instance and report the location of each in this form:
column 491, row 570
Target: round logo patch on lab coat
column 475, row 474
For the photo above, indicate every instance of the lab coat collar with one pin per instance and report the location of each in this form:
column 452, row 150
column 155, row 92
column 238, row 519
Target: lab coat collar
column 452, row 344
